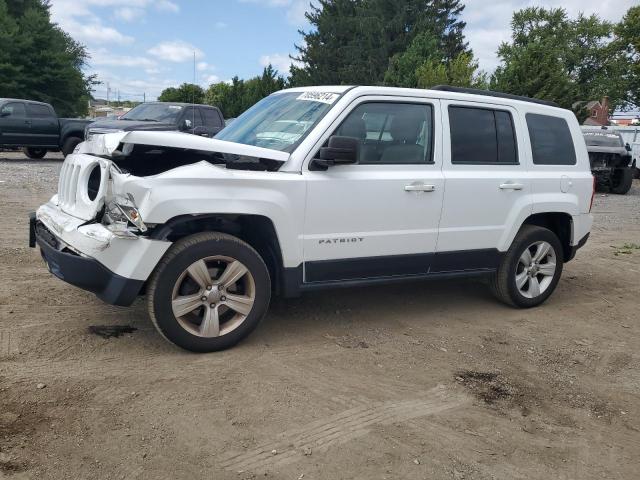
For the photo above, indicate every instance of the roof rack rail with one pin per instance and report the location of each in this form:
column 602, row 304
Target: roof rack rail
column 489, row 93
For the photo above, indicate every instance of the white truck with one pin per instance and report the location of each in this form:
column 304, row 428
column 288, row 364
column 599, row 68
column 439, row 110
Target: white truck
column 321, row 187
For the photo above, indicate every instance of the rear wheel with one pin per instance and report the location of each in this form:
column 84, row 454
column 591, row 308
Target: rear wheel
column 35, row 153
column 70, row 145
column 209, row 292
column 531, row 268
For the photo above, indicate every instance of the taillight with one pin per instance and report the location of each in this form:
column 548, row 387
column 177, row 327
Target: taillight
column 593, row 193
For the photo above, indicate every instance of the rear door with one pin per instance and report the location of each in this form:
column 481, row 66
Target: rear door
column 45, row 130
column 486, row 183
column 15, row 128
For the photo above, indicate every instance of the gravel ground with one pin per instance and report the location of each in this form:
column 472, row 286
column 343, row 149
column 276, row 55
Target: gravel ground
column 428, row 380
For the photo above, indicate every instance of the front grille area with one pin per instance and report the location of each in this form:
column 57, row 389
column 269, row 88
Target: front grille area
column 68, row 184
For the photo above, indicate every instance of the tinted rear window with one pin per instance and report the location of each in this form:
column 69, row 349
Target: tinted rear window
column 482, row 136
column 36, row 110
column 551, row 141
column 211, row 118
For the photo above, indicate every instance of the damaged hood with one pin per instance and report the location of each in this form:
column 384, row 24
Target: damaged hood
column 115, row 144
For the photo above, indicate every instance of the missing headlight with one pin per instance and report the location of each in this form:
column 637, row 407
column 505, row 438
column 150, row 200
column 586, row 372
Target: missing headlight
column 121, row 214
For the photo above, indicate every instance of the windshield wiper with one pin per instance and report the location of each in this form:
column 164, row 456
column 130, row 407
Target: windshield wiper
column 147, row 120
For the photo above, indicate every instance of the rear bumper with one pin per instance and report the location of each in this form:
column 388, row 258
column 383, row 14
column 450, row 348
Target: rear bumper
column 83, row 272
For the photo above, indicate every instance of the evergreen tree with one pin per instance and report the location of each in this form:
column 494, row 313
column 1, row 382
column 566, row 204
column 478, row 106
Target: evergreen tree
column 352, row 40
column 38, row 60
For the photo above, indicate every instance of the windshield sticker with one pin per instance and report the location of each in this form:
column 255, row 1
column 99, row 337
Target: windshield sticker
column 175, row 107
column 323, row 97
column 598, row 134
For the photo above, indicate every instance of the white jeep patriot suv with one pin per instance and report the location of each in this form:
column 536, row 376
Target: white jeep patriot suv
column 321, row 187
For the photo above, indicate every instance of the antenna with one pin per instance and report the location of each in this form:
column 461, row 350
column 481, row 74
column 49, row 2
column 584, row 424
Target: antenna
column 193, row 93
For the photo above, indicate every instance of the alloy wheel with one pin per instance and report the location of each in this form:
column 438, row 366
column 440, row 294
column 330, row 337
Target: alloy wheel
column 213, row 296
column 535, row 269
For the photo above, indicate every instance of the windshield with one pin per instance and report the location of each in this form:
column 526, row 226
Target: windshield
column 156, row 112
column 600, row 139
column 279, row 121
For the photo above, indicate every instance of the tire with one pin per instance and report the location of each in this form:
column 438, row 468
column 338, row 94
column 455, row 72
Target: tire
column 621, row 181
column 512, row 269
column 178, row 281
column 70, row 145
column 35, row 153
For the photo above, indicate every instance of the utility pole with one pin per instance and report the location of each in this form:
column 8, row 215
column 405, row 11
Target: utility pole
column 108, row 91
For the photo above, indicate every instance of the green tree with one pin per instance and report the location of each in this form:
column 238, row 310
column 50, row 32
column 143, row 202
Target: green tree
column 351, row 41
column 235, row 97
column 185, row 93
column 39, row 61
column 554, row 57
column 627, row 42
column 462, row 71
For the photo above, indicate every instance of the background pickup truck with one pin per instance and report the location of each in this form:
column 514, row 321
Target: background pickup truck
column 35, row 127
column 202, row 120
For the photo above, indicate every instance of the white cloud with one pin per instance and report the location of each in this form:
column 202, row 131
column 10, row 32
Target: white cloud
column 209, row 79
column 103, row 57
column 488, row 23
column 167, row 6
column 279, row 61
column 176, row 51
column 220, row 25
column 203, row 66
column 128, row 14
column 295, row 9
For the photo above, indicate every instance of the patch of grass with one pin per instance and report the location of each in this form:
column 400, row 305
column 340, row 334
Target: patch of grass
column 626, row 249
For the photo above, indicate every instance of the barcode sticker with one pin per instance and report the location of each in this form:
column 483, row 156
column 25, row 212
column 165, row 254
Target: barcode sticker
column 323, row 97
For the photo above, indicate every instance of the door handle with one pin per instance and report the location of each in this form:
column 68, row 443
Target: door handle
column 419, row 187
column 511, row 186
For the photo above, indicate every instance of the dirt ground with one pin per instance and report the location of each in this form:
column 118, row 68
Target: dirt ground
column 428, row 380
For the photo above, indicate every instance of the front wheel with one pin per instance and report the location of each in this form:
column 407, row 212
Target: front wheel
column 531, row 268
column 621, row 180
column 208, row 292
column 35, row 153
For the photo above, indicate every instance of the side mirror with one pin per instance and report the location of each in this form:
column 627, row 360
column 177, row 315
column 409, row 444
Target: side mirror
column 187, row 124
column 339, row 151
column 5, row 113
column 627, row 147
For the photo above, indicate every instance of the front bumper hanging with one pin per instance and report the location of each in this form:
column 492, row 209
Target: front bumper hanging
column 83, row 272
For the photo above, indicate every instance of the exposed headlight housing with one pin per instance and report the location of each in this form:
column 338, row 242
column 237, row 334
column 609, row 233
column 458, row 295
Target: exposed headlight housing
column 91, row 131
column 122, row 217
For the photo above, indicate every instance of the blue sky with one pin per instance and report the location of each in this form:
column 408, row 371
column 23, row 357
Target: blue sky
column 144, row 46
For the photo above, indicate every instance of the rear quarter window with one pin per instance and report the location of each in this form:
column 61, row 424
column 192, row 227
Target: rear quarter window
column 551, row 140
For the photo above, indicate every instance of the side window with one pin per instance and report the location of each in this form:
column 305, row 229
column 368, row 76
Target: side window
column 391, row 133
column 14, row 109
column 193, row 114
column 38, row 111
column 551, row 140
column 211, row 118
column 482, row 136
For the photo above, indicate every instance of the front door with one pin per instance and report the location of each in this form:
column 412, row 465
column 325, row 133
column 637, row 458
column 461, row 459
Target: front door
column 377, row 218
column 15, row 128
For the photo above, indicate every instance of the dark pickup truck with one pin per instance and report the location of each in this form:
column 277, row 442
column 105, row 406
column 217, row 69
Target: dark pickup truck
column 203, row 120
column 610, row 159
column 35, row 127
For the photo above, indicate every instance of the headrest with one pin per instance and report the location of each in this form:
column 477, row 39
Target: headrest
column 405, row 128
